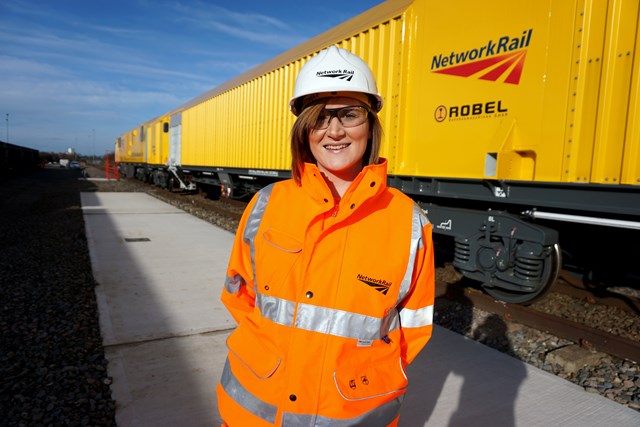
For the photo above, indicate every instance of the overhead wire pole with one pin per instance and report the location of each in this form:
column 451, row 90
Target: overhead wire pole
column 7, row 128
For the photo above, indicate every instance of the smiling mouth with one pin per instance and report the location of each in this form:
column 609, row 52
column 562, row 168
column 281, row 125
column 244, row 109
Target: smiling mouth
column 336, row 147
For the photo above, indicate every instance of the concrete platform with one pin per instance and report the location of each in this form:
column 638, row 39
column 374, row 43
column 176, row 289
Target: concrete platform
column 160, row 273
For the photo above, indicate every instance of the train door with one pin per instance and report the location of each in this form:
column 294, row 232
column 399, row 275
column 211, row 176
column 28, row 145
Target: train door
column 148, row 138
column 175, row 139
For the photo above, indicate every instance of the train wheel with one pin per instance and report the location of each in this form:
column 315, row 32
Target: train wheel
column 551, row 270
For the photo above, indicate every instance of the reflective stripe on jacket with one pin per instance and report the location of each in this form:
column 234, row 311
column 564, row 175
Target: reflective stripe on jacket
column 332, row 303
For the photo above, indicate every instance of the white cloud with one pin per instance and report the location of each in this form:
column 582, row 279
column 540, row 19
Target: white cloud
column 11, row 66
column 246, row 26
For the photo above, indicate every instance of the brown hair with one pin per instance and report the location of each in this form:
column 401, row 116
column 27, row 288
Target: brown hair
column 305, row 123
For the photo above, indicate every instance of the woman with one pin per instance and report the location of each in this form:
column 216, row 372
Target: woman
column 331, row 276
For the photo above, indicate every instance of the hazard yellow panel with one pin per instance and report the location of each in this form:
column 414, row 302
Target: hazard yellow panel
column 631, row 162
column 584, row 86
column 613, row 103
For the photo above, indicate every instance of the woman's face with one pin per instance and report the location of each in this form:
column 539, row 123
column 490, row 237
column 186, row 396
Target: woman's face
column 339, row 150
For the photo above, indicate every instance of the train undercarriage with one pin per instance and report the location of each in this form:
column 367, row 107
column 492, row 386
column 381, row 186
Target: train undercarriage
column 513, row 237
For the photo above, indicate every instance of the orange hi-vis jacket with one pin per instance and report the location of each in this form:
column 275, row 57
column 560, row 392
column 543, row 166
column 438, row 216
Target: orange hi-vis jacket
column 332, row 303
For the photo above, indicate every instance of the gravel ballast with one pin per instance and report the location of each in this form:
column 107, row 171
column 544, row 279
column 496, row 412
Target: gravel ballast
column 52, row 366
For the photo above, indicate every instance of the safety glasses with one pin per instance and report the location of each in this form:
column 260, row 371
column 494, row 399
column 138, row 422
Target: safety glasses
column 347, row 116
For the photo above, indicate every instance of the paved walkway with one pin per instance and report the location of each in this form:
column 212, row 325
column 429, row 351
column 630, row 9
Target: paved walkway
column 160, row 273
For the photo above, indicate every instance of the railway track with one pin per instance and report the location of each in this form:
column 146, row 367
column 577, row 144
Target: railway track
column 574, row 287
column 587, row 336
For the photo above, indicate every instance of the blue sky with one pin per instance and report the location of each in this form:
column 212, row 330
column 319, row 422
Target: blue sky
column 78, row 73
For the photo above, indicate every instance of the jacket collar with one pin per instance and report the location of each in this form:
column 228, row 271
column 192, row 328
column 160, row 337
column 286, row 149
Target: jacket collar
column 371, row 181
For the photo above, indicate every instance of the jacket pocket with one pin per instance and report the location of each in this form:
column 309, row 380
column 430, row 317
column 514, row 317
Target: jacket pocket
column 254, row 353
column 371, row 380
column 276, row 256
column 282, row 241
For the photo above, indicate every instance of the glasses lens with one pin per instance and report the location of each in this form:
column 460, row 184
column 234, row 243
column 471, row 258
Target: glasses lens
column 348, row 117
column 323, row 120
column 352, row 116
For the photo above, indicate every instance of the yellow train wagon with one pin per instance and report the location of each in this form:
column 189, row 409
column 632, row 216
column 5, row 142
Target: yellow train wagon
column 156, row 169
column 506, row 121
column 143, row 153
column 157, row 141
column 130, row 149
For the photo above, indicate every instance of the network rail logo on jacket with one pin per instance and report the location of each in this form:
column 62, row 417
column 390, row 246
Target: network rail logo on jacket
column 379, row 285
column 493, row 60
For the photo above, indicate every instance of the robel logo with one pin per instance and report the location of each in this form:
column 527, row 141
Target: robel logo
column 479, row 110
column 493, row 60
column 337, row 74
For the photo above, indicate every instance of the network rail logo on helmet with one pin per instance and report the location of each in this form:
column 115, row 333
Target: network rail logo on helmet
column 339, row 74
column 334, row 70
column 495, row 59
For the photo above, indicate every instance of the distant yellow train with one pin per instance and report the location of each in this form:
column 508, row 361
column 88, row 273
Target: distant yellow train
column 508, row 121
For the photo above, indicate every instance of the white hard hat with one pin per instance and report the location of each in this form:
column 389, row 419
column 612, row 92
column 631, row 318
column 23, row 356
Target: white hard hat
column 331, row 71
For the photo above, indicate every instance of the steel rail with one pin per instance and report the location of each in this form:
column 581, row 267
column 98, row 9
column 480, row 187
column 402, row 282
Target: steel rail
column 585, row 336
